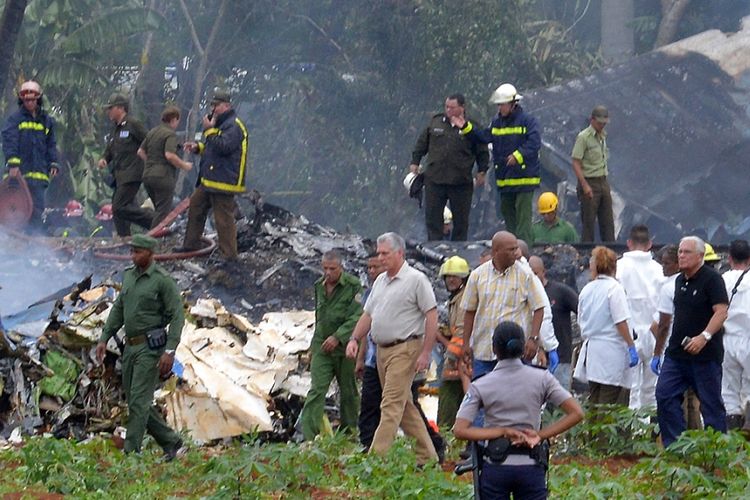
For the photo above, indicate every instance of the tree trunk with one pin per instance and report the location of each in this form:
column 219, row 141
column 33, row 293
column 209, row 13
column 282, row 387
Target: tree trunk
column 671, row 15
column 204, row 59
column 10, row 25
column 149, row 88
column 618, row 43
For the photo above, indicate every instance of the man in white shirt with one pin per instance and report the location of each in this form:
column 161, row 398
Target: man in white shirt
column 735, row 385
column 641, row 276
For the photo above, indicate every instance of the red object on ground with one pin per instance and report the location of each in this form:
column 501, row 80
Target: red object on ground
column 15, row 203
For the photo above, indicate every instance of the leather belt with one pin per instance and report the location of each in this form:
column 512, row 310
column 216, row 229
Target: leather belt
column 399, row 341
column 138, row 339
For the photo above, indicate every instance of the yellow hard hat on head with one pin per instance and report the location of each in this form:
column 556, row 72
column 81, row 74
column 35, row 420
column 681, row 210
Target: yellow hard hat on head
column 710, row 255
column 455, row 266
column 547, row 202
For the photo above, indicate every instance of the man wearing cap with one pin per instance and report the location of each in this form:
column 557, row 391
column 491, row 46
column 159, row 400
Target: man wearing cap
column 30, row 148
column 450, row 160
column 516, row 139
column 121, row 155
column 222, row 175
column 552, row 229
column 148, row 301
column 590, row 158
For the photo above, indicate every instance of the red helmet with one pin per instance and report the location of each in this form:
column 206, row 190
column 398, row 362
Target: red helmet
column 105, row 213
column 73, row 209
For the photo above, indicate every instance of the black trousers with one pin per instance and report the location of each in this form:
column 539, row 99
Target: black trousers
column 436, row 196
column 369, row 410
column 126, row 211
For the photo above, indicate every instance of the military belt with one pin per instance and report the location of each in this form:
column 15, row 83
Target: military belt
column 138, row 339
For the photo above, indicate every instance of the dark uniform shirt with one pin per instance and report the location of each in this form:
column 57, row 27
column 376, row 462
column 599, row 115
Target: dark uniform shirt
column 29, row 144
column 694, row 299
column 122, row 148
column 450, row 154
column 563, row 300
column 148, row 300
column 159, row 141
column 338, row 313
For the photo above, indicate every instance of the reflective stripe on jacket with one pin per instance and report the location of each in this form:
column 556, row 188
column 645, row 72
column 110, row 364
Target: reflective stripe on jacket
column 224, row 149
column 518, row 135
column 29, row 143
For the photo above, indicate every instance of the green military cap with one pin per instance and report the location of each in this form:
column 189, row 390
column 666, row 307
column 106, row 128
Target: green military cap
column 220, row 96
column 143, row 241
column 117, row 100
column 600, row 114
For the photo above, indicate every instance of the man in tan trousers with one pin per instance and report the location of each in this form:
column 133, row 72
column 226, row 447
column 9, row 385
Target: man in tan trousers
column 401, row 315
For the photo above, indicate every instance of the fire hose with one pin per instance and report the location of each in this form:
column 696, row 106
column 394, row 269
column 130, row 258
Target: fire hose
column 159, row 231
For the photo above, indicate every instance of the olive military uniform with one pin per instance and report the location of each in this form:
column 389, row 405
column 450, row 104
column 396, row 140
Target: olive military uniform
column 591, row 149
column 148, row 300
column 335, row 315
column 450, row 160
column 160, row 176
column 127, row 168
column 561, row 231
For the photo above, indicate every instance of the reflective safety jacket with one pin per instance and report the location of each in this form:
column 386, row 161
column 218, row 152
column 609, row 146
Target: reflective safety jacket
column 29, row 144
column 224, row 151
column 517, row 134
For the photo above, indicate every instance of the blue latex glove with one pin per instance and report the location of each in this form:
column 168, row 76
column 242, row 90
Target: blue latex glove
column 633, row 356
column 554, row 360
column 656, row 364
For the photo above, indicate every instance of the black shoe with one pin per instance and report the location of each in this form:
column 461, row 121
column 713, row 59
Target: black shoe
column 174, row 451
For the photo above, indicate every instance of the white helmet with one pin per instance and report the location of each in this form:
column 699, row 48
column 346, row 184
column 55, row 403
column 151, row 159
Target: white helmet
column 505, row 93
column 409, row 180
column 447, row 215
column 30, row 86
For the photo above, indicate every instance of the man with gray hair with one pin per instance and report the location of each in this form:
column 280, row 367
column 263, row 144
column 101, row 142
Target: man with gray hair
column 337, row 309
column 695, row 351
column 401, row 316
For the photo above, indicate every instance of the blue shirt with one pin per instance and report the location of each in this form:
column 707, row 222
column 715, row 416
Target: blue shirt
column 371, row 353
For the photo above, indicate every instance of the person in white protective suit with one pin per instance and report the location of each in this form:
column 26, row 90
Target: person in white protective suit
column 641, row 276
column 735, row 382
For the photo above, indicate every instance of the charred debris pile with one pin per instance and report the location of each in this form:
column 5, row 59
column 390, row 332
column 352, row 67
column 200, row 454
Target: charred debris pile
column 242, row 364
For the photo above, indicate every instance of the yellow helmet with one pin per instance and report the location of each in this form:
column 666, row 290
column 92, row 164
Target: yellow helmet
column 710, row 255
column 547, row 202
column 455, row 266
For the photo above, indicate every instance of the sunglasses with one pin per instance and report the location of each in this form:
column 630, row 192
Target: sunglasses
column 28, row 93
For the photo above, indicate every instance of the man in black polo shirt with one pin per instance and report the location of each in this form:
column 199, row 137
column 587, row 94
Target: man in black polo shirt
column 564, row 301
column 695, row 351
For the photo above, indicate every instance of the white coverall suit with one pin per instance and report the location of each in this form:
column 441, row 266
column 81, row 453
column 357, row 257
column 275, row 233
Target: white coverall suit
column 641, row 276
column 735, row 382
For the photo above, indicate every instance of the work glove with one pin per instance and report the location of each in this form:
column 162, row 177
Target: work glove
column 554, row 360
column 633, row 352
column 656, row 364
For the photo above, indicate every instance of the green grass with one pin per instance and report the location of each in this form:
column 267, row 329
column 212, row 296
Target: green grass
column 625, row 463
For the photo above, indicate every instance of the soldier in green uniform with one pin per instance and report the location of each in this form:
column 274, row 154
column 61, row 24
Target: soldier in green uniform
column 148, row 302
column 337, row 309
column 126, row 167
column 159, row 151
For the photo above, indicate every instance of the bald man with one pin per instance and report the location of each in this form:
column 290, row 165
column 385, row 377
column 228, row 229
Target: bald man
column 500, row 290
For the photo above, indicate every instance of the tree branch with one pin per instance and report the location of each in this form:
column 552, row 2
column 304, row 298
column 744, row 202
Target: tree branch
column 191, row 25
